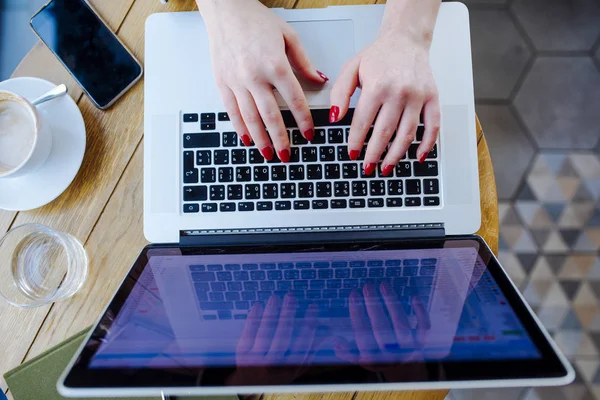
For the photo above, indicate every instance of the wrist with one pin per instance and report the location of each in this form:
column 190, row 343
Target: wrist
column 412, row 20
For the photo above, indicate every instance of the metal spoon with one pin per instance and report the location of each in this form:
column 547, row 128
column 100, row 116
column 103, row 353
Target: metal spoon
column 58, row 91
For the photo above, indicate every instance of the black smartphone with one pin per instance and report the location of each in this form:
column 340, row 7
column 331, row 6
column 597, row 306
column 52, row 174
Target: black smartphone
column 86, row 46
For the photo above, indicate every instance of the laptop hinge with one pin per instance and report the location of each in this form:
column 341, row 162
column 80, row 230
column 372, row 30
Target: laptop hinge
column 295, row 235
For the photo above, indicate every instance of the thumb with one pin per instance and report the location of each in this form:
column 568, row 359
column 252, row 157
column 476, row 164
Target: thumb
column 300, row 61
column 343, row 89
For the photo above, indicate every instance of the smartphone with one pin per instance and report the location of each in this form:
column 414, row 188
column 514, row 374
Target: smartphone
column 90, row 51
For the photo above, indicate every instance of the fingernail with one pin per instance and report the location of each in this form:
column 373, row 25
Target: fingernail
column 334, row 114
column 309, row 134
column 354, row 154
column 423, row 157
column 370, row 168
column 246, row 140
column 284, row 155
column 323, row 76
column 267, row 153
column 387, row 170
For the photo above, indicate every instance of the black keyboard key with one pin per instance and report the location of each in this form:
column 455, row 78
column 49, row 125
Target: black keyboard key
column 403, row 170
column 420, row 132
column 269, row 191
column 395, row 188
column 264, row 206
column 217, row 192
column 241, row 275
column 283, row 205
column 258, row 275
column 433, row 152
column 208, row 126
column 274, row 275
column 412, row 151
column 332, row 171
column 327, row 153
column 208, row 175
column 335, row 135
column 190, row 117
column 341, row 189
column 255, row 157
column 413, row 186
column 297, row 138
column 320, row 137
column 325, row 273
column 412, row 201
column 296, row 172
column 238, row 156
column 201, row 140
column 207, row 117
column 246, row 206
column 216, row 305
column 223, row 116
column 227, row 207
column 375, row 203
column 309, row 154
column 294, row 154
column 291, row 274
column 314, row 171
column 225, row 174
column 306, row 190
column 195, row 193
column 431, row 201
column 308, row 274
column 224, row 276
column 261, row 173
column 233, row 267
column 393, row 202
column 357, row 203
column 359, row 188
column 252, row 192
column 337, row 203
column 428, row 168
column 188, row 160
column 209, row 207
column 232, row 296
column 350, row 170
column 323, row 189
column 267, row 285
column 377, row 188
column 190, row 176
column 243, row 174
column 279, row 173
column 234, row 192
column 203, row 276
column 320, row 204
column 221, row 157
column 288, row 190
column 431, row 186
column 301, row 205
column 203, row 157
column 342, row 153
column 321, row 117
column 191, row 208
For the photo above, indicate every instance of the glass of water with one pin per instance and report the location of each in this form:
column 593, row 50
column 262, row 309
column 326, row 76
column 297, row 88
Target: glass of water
column 39, row 265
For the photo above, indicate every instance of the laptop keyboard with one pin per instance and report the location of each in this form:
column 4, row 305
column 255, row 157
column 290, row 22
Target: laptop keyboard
column 220, row 174
column 228, row 291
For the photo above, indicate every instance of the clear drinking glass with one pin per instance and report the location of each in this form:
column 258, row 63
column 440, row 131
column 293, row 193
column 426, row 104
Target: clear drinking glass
column 39, row 265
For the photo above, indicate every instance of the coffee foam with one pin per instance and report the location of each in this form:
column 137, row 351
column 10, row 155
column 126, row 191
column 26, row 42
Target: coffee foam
column 17, row 133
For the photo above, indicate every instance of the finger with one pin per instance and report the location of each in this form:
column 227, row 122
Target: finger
column 267, row 327
column 398, row 316
column 380, row 324
column 345, row 351
column 254, row 123
column 423, row 322
column 285, row 327
column 271, row 115
column 290, row 90
column 343, row 89
column 360, row 325
column 304, row 342
column 300, row 60
column 250, row 328
column 235, row 116
column 407, row 130
column 364, row 115
column 385, row 126
column 431, row 119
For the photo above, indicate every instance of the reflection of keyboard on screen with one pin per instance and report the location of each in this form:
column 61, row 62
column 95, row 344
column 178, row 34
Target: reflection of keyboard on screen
column 228, row 291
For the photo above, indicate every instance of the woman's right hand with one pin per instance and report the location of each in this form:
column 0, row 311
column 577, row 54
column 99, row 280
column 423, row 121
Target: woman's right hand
column 253, row 52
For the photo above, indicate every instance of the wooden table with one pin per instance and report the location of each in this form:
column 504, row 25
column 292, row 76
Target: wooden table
column 103, row 206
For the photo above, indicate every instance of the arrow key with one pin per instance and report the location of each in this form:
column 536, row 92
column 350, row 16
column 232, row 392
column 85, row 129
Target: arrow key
column 190, row 176
column 195, row 193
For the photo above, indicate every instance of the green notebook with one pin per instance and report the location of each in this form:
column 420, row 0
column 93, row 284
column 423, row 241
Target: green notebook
column 36, row 379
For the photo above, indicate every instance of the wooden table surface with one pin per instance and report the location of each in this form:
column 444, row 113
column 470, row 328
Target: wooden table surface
column 103, row 206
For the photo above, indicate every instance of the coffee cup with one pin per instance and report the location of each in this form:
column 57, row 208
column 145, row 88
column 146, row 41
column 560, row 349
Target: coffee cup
column 25, row 139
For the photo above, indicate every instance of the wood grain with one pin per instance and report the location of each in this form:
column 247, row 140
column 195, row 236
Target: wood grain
column 103, row 207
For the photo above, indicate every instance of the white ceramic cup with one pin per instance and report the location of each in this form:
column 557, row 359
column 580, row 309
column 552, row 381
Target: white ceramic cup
column 39, row 147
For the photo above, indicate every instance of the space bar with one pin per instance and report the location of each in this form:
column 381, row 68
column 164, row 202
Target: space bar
column 320, row 118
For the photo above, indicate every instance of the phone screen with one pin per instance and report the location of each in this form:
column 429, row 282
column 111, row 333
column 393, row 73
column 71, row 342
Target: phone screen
column 87, row 47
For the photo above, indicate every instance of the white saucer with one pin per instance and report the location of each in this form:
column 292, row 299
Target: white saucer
column 45, row 184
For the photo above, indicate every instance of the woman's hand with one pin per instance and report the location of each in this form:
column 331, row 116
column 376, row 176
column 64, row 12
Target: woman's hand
column 254, row 51
column 397, row 85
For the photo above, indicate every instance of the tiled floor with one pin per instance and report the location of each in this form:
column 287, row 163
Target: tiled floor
column 537, row 85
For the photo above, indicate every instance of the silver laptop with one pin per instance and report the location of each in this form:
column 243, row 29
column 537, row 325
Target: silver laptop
column 199, row 178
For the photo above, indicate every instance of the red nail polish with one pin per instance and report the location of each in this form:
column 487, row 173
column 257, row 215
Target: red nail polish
column 309, row 134
column 267, row 153
column 423, row 157
column 354, row 154
column 284, row 155
column 323, row 76
column 334, row 114
column 370, row 168
column 387, row 170
column 246, row 140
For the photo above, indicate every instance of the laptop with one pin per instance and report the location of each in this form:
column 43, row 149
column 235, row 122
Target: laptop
column 308, row 276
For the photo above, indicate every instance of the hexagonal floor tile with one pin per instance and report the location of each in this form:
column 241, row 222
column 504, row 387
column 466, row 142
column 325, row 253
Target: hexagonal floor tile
column 499, row 53
column 511, row 150
column 560, row 24
column 559, row 102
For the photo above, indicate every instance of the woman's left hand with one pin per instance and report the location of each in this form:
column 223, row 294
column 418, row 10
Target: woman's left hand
column 397, row 85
